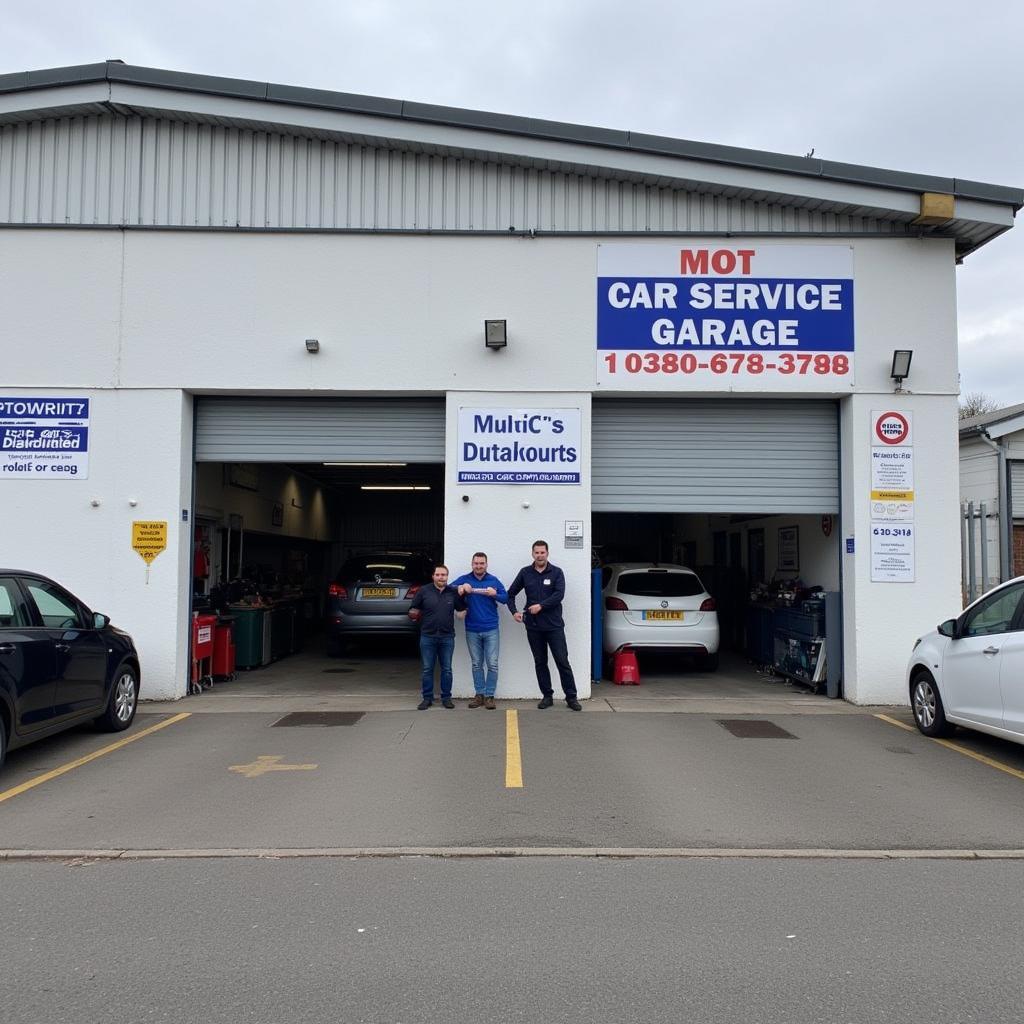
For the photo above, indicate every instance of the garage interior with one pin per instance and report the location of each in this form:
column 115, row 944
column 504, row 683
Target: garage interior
column 285, row 492
column 745, row 492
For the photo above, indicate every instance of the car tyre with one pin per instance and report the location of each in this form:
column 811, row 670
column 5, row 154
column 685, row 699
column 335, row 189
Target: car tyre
column 929, row 714
column 123, row 701
column 709, row 662
column 3, row 740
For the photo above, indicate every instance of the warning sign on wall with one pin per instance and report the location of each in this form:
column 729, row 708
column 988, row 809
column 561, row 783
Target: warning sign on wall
column 149, row 539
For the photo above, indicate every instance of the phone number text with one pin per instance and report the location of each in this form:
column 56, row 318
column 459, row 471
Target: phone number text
column 799, row 363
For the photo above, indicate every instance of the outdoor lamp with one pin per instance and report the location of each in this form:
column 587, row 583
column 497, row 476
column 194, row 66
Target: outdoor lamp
column 495, row 333
column 901, row 366
column 312, row 345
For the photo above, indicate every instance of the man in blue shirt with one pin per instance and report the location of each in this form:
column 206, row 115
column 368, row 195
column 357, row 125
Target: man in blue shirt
column 435, row 607
column 482, row 593
column 544, row 584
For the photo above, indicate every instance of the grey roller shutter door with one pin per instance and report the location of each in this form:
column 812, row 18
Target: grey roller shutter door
column 1017, row 489
column 716, row 455
column 319, row 430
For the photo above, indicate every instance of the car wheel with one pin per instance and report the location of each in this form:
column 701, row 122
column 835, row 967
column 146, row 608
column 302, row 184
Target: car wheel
column 709, row 662
column 929, row 715
column 123, row 701
column 3, row 740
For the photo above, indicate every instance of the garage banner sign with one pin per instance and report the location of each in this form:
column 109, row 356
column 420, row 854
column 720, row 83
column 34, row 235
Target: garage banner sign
column 519, row 446
column 892, row 497
column 694, row 316
column 44, row 438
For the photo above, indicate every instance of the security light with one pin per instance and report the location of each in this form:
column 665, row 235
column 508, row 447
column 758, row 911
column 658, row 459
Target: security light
column 901, row 366
column 496, row 333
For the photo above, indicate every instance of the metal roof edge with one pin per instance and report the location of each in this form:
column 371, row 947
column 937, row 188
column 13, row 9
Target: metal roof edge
column 558, row 131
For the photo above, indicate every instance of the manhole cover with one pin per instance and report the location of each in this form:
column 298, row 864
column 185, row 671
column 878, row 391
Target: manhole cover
column 324, row 719
column 337, row 670
column 755, row 729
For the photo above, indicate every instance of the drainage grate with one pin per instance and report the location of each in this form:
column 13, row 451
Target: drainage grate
column 323, row 719
column 755, row 729
column 337, row 670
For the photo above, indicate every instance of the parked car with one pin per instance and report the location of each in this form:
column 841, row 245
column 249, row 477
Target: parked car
column 970, row 670
column 372, row 594
column 659, row 607
column 61, row 664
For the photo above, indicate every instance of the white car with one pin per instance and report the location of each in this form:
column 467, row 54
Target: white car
column 970, row 670
column 660, row 607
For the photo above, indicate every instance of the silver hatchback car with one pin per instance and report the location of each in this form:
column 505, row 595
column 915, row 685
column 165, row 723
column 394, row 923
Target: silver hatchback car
column 372, row 594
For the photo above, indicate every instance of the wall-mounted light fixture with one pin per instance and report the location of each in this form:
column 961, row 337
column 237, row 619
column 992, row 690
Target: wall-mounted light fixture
column 312, row 345
column 496, row 333
column 901, row 366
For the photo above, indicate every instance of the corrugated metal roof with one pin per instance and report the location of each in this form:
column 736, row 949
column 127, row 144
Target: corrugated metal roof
column 115, row 72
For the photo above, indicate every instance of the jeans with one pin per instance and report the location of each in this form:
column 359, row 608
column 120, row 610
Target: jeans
column 540, row 640
column 440, row 649
column 483, row 653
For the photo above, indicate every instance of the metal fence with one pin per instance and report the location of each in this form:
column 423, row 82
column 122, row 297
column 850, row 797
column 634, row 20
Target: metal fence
column 979, row 549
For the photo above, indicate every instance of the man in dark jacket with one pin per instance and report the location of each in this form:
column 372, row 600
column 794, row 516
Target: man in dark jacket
column 544, row 584
column 435, row 607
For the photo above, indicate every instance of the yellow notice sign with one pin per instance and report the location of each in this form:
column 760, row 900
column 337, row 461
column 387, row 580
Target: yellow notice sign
column 149, row 539
column 892, row 495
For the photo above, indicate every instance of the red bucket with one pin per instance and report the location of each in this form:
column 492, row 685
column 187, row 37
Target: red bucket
column 625, row 670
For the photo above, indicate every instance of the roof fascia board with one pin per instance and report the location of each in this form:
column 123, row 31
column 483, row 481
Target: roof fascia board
column 1010, row 426
column 60, row 97
column 512, row 148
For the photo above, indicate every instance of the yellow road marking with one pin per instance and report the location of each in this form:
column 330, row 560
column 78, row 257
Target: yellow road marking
column 513, row 758
column 16, row 790
column 269, row 763
column 1015, row 772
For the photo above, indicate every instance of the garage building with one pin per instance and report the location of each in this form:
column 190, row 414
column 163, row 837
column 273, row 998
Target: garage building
column 264, row 300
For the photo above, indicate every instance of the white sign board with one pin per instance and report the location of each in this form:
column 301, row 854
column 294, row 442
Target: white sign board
column 892, row 428
column 44, row 438
column 519, row 446
column 892, row 552
column 697, row 315
column 892, row 483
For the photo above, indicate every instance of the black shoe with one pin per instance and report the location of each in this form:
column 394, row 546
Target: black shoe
column 573, row 704
column 449, row 704
column 423, row 705
column 545, row 703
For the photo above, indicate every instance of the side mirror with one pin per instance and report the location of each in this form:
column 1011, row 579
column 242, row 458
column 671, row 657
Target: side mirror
column 100, row 621
column 948, row 628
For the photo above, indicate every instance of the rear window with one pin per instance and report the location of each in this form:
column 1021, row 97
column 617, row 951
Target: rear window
column 388, row 567
column 659, row 584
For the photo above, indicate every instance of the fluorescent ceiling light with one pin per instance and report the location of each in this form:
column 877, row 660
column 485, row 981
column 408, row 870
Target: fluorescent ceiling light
column 375, row 464
column 394, row 487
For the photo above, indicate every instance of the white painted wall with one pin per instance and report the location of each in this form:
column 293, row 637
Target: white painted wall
column 140, row 449
column 887, row 617
column 155, row 313
column 495, row 520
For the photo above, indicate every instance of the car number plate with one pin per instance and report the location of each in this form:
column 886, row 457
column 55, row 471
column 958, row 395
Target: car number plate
column 380, row 592
column 663, row 616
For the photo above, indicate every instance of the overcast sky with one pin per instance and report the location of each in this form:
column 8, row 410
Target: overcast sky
column 928, row 87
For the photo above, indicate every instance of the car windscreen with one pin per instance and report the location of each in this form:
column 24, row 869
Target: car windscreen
column 659, row 584
column 388, row 568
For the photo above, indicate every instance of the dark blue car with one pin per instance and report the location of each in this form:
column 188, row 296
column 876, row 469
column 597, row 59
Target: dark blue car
column 60, row 663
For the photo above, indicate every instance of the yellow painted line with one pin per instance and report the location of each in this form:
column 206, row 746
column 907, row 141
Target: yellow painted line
column 513, row 757
column 1015, row 772
column 7, row 794
column 269, row 763
column 897, row 723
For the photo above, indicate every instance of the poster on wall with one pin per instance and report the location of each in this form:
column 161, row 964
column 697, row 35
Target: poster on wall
column 519, row 446
column 694, row 316
column 892, row 552
column 44, row 438
column 892, row 496
column 789, row 548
